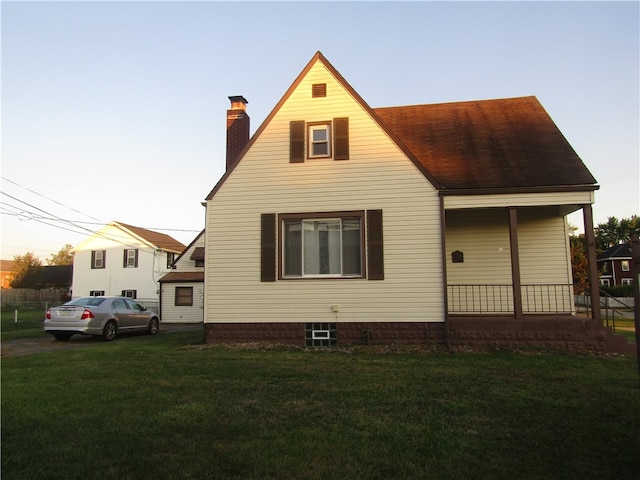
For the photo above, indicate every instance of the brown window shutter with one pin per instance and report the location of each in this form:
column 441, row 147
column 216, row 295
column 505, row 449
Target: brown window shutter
column 268, row 247
column 341, row 138
column 296, row 138
column 375, row 250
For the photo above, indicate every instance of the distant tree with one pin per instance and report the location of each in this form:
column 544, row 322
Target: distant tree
column 579, row 262
column 26, row 268
column 615, row 231
column 63, row 257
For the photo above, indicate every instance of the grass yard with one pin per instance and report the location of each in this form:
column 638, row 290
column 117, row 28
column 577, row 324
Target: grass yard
column 29, row 324
column 166, row 407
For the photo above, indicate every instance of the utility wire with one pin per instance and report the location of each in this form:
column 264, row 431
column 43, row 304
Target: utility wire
column 50, row 199
column 98, row 221
column 123, row 239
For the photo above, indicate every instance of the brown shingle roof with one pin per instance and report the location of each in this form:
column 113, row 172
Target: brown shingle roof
column 160, row 240
column 487, row 144
column 198, row 253
column 177, row 277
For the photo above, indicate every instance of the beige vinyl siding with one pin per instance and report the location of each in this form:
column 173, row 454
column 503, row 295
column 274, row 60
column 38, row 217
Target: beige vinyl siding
column 182, row 314
column 478, row 283
column 483, row 237
column 518, row 200
column 376, row 176
column 545, row 269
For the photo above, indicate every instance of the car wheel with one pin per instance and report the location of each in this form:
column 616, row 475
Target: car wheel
column 109, row 331
column 154, row 326
column 63, row 337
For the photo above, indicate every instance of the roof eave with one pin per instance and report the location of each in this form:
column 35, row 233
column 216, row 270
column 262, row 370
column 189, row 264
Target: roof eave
column 517, row 190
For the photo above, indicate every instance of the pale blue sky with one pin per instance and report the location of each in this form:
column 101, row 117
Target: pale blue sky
column 116, row 110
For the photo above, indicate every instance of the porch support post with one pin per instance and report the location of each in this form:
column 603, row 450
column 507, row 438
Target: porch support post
column 445, row 282
column 590, row 237
column 515, row 263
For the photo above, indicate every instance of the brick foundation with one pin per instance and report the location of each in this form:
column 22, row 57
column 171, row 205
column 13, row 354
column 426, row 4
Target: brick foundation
column 567, row 333
column 348, row 333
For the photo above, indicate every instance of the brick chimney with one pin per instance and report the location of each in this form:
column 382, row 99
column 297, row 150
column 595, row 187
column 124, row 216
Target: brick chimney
column 237, row 128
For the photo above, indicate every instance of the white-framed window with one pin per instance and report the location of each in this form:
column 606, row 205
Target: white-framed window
column 98, row 258
column 625, row 265
column 130, row 258
column 129, row 293
column 605, row 282
column 96, row 293
column 322, row 247
column 627, row 281
column 319, row 140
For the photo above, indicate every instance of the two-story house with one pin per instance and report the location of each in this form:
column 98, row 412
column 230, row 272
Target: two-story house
column 121, row 259
column 615, row 266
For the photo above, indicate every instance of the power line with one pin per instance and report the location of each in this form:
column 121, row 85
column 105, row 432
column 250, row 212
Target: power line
column 75, row 222
column 50, row 199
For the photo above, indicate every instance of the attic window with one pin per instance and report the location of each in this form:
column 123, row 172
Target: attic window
column 319, row 140
column 319, row 90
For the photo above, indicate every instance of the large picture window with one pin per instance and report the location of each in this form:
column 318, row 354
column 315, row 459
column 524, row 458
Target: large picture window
column 321, row 245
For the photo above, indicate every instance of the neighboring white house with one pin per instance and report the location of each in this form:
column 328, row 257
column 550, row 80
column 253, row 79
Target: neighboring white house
column 341, row 223
column 121, row 259
column 182, row 289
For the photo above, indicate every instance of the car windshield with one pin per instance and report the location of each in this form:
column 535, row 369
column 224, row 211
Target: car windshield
column 86, row 301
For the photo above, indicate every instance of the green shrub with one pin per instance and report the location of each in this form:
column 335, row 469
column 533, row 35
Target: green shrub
column 618, row 291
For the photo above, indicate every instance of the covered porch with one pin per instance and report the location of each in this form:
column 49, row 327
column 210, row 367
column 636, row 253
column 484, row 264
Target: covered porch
column 530, row 303
column 508, row 254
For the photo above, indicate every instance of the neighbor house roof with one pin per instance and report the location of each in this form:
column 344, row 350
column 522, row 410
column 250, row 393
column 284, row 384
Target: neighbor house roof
column 186, row 249
column 160, row 240
column 617, row 252
column 198, row 253
column 177, row 277
column 7, row 265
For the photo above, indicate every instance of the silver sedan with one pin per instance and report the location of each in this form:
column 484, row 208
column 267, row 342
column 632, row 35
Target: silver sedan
column 100, row 316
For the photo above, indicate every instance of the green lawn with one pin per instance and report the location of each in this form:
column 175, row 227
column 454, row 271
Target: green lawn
column 165, row 407
column 29, row 324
